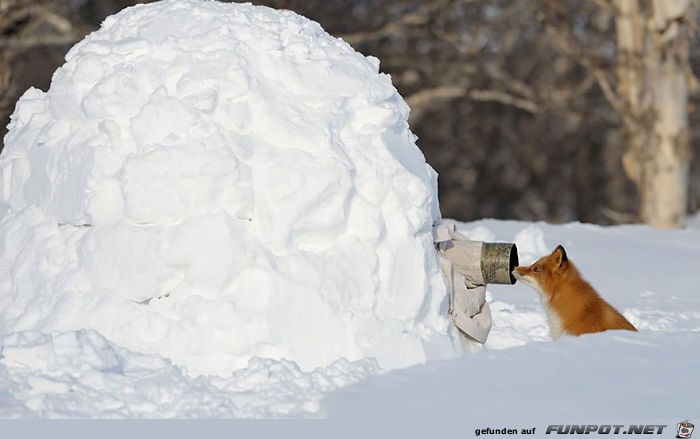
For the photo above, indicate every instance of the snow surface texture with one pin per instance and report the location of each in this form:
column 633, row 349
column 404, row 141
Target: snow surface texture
column 216, row 182
column 520, row 379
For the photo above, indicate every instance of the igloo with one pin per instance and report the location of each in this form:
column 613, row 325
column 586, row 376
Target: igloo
column 215, row 182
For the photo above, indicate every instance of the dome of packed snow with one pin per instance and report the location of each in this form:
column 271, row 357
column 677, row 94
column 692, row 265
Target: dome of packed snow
column 216, row 182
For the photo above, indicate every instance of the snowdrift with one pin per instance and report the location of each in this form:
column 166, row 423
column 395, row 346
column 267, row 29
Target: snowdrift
column 215, row 182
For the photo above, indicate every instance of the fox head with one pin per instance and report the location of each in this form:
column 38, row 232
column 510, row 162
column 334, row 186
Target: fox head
column 545, row 271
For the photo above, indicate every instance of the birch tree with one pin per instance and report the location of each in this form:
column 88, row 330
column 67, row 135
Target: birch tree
column 653, row 75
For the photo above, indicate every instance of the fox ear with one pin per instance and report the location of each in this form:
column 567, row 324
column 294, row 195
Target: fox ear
column 560, row 258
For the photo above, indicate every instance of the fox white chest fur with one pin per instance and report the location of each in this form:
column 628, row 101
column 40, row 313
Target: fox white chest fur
column 556, row 328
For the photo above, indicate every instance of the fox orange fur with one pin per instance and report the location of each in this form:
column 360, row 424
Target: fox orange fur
column 572, row 306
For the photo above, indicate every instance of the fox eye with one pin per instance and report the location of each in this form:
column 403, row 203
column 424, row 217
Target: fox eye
column 536, row 269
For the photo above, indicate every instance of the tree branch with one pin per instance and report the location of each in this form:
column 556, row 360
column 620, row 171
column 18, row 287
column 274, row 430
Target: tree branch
column 567, row 44
column 397, row 27
column 421, row 101
column 36, row 41
column 505, row 98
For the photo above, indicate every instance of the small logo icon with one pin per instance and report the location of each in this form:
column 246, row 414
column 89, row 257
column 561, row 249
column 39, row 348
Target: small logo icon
column 685, row 429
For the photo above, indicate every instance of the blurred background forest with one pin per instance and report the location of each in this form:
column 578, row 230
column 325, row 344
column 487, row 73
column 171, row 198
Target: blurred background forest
column 526, row 108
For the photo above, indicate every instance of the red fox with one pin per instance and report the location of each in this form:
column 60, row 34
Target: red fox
column 572, row 306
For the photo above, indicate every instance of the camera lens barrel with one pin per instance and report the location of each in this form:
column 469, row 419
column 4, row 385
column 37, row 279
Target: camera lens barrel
column 498, row 259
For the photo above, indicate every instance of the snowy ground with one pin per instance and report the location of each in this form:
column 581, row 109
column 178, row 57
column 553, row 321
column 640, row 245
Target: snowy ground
column 519, row 378
column 219, row 211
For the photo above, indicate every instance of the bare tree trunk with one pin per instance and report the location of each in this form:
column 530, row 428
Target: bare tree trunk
column 653, row 63
column 667, row 192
